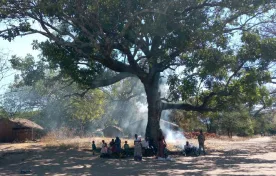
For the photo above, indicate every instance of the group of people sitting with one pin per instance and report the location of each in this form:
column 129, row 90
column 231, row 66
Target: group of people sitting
column 142, row 147
column 145, row 147
column 114, row 147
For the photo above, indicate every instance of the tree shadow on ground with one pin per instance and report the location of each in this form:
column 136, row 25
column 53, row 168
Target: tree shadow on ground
column 74, row 162
column 65, row 161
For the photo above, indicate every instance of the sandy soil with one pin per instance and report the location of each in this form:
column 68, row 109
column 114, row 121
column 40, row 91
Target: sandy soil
column 255, row 156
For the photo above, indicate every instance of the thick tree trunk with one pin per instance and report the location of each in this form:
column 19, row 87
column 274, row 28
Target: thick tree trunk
column 153, row 130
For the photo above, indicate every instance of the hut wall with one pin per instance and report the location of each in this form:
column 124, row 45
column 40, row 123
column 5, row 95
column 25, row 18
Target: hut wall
column 112, row 132
column 6, row 132
column 22, row 134
column 10, row 132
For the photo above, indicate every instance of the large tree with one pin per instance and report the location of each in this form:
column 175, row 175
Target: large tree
column 100, row 42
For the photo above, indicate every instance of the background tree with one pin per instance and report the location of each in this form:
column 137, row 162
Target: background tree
column 5, row 70
column 3, row 113
column 40, row 94
column 87, row 109
column 124, row 100
column 100, row 42
column 238, row 122
column 265, row 122
column 4, row 67
column 188, row 121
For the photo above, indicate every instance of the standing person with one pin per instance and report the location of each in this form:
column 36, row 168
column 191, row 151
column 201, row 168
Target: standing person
column 161, row 147
column 94, row 148
column 135, row 137
column 201, row 139
column 137, row 149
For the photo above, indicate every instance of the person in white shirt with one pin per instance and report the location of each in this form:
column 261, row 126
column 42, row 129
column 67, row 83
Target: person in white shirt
column 187, row 145
column 189, row 148
column 137, row 148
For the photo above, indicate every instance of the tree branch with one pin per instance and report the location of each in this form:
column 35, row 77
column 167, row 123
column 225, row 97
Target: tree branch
column 185, row 106
column 234, row 74
column 109, row 81
column 78, row 94
column 131, row 60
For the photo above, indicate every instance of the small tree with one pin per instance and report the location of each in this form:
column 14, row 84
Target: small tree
column 87, row 109
column 238, row 122
column 4, row 67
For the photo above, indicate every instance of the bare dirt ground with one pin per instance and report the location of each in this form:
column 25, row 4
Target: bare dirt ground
column 256, row 156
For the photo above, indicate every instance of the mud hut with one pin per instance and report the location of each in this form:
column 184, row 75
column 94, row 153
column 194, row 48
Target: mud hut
column 19, row 130
column 112, row 131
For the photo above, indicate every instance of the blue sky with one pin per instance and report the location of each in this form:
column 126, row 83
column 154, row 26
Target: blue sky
column 20, row 46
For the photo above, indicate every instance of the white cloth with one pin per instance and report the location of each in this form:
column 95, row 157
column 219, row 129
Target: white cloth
column 188, row 146
column 137, row 148
column 104, row 150
column 145, row 144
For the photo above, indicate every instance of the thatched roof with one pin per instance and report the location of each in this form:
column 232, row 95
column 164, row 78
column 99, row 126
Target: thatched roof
column 24, row 123
column 113, row 128
column 98, row 130
column 112, row 131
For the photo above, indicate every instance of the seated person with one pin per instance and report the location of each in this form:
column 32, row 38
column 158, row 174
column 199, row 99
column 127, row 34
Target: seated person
column 189, row 148
column 146, row 148
column 112, row 146
column 104, row 151
column 145, row 143
column 152, row 147
column 126, row 148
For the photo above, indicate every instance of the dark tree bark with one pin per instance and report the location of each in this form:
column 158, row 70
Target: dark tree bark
column 154, row 108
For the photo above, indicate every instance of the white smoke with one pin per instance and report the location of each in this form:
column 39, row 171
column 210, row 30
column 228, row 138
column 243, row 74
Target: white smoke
column 142, row 107
column 172, row 133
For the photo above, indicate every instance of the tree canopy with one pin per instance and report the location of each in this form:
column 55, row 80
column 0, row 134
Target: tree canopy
column 100, row 42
